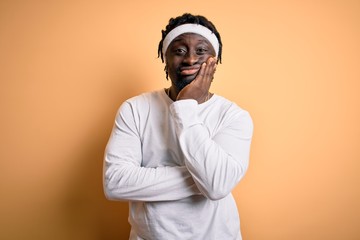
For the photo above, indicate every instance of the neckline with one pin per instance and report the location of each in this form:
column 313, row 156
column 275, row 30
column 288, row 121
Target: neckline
column 212, row 97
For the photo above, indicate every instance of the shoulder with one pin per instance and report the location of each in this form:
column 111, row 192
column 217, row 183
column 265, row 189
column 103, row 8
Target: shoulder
column 142, row 102
column 142, row 99
column 233, row 114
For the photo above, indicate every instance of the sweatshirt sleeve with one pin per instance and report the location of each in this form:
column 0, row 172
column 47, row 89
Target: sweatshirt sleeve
column 216, row 163
column 125, row 178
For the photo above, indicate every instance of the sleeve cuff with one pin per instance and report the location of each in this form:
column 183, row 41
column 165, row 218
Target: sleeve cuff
column 185, row 113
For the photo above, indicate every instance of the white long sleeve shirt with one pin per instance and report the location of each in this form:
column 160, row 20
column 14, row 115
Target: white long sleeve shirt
column 177, row 163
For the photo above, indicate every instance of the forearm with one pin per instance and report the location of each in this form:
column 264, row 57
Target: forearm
column 215, row 171
column 125, row 178
column 123, row 181
column 216, row 163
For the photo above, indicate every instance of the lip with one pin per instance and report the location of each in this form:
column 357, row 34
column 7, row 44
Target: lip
column 189, row 70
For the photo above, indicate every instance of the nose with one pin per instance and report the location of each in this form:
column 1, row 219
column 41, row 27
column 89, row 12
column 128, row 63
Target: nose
column 191, row 58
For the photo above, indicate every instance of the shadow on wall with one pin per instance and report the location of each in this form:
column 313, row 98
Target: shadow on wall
column 88, row 214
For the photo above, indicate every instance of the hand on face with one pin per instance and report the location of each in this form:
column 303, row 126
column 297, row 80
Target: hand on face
column 198, row 89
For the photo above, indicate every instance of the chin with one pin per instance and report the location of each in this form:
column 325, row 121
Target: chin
column 188, row 79
column 180, row 85
column 181, row 81
column 184, row 81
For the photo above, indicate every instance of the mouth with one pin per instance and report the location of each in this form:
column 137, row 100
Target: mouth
column 186, row 71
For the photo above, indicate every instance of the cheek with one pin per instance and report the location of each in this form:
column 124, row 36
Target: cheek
column 210, row 54
column 172, row 65
column 170, row 68
column 171, row 71
column 204, row 58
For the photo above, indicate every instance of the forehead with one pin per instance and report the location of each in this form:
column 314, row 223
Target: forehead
column 191, row 38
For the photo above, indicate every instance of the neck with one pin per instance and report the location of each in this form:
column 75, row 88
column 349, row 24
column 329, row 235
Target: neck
column 172, row 92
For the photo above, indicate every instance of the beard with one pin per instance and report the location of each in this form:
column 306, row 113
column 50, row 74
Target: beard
column 182, row 81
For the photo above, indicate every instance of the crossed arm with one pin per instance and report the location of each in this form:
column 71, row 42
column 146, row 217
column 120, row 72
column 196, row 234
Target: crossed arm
column 213, row 165
column 216, row 163
column 126, row 179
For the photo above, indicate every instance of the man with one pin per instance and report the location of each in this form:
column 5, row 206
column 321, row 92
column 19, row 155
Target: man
column 176, row 154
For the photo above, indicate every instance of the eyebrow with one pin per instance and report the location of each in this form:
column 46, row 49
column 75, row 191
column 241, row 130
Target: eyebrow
column 178, row 39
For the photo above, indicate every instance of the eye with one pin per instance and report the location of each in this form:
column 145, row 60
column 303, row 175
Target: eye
column 201, row 51
column 180, row 51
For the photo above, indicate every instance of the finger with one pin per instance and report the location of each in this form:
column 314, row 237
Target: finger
column 200, row 74
column 213, row 64
column 210, row 69
column 206, row 73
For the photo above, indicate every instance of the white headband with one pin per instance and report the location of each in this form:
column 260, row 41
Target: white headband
column 191, row 28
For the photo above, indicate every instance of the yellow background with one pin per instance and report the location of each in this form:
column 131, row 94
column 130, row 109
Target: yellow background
column 66, row 66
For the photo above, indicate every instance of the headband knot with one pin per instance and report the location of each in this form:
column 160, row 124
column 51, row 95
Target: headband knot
column 191, row 28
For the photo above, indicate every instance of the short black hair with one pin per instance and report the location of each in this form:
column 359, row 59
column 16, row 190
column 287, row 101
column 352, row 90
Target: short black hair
column 189, row 18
